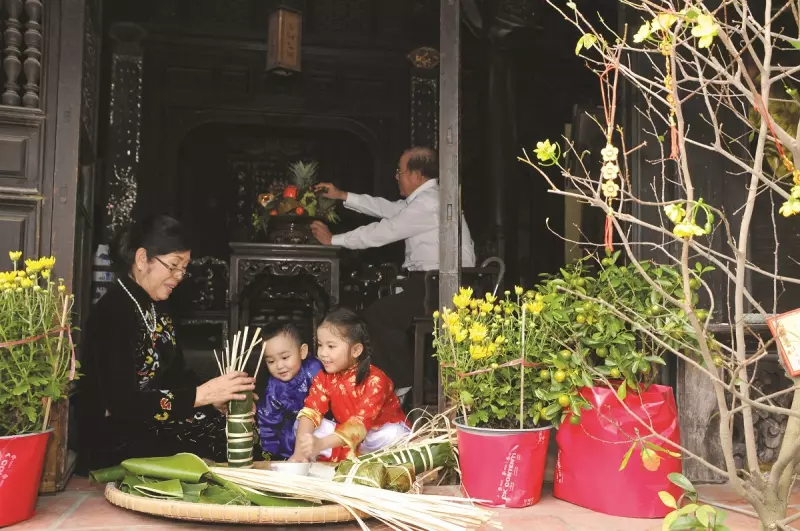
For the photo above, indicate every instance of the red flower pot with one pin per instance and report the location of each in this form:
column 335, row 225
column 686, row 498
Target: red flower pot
column 502, row 467
column 21, row 463
column 593, row 451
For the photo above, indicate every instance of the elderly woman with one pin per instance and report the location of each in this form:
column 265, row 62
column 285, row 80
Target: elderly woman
column 137, row 398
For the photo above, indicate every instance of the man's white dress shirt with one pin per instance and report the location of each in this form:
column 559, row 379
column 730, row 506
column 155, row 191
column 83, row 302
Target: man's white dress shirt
column 414, row 219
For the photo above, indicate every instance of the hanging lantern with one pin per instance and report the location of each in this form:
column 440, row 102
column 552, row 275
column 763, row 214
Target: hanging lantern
column 283, row 46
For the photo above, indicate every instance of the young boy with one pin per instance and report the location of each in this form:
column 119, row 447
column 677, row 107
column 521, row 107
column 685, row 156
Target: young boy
column 291, row 371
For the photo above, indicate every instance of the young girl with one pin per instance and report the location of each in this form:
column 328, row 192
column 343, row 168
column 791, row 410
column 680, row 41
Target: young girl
column 367, row 412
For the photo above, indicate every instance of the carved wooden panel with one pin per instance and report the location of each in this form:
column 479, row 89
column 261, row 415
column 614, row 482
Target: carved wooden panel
column 91, row 44
column 424, row 97
column 123, row 139
column 18, row 228
column 19, row 157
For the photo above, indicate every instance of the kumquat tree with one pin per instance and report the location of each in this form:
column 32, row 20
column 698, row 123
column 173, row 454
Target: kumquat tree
column 715, row 80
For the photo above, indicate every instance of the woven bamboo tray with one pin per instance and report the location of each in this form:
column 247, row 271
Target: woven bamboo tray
column 230, row 514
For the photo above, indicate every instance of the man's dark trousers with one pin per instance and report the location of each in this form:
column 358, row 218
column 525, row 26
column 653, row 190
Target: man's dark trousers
column 390, row 320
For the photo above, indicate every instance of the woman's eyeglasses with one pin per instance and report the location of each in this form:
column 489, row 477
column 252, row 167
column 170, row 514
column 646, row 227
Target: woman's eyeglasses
column 174, row 271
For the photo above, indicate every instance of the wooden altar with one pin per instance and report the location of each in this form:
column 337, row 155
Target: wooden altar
column 249, row 261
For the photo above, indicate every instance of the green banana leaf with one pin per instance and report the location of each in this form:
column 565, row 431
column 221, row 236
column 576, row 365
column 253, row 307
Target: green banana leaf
column 178, row 477
column 185, row 467
column 193, row 489
column 163, row 490
column 104, row 475
column 217, row 495
column 258, row 498
column 129, row 484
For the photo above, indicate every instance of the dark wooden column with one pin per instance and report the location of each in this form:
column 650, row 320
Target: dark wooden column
column 449, row 159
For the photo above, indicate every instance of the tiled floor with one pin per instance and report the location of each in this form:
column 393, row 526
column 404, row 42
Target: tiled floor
column 82, row 507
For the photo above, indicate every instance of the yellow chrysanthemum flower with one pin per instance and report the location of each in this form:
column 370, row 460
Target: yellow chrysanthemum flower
column 47, row 262
column 462, row 299
column 535, row 307
column 461, row 335
column 518, row 290
column 15, row 255
column 486, row 307
column 490, row 298
column 26, row 283
column 478, row 352
column 62, row 288
column 32, row 266
column 451, row 320
column 477, row 332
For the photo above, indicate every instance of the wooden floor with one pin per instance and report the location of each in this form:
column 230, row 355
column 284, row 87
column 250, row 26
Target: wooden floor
column 82, row 507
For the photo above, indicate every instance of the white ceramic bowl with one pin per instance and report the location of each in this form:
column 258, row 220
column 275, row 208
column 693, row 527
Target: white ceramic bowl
column 294, row 469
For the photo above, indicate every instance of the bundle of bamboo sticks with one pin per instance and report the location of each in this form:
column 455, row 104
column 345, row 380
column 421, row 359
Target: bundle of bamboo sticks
column 400, row 511
column 240, row 425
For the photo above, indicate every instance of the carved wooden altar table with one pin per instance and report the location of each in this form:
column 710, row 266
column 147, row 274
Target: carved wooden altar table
column 250, row 260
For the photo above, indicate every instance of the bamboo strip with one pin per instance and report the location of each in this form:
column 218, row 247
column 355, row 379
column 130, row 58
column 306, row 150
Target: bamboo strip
column 398, row 510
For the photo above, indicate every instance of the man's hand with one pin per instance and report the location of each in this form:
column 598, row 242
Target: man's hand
column 330, row 191
column 321, row 232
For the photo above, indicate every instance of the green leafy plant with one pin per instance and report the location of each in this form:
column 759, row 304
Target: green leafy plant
column 603, row 317
column 689, row 514
column 36, row 360
column 522, row 360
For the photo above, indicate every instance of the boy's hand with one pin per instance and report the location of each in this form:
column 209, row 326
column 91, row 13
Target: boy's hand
column 297, row 458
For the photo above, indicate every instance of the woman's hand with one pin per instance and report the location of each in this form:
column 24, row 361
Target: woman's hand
column 223, row 407
column 330, row 191
column 223, row 389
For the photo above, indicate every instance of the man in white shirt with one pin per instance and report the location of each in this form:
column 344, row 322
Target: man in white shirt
column 414, row 219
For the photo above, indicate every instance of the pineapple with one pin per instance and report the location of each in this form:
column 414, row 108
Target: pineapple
column 303, row 174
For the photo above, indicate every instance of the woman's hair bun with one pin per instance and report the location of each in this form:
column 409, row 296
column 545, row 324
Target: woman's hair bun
column 157, row 235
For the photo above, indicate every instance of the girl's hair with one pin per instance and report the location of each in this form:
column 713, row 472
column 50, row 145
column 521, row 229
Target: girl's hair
column 354, row 330
column 158, row 235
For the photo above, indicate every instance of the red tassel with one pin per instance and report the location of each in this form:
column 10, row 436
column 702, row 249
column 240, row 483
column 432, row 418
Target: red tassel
column 674, row 141
column 609, row 234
